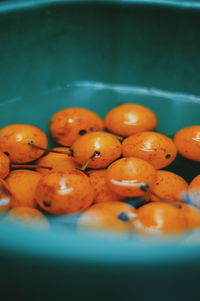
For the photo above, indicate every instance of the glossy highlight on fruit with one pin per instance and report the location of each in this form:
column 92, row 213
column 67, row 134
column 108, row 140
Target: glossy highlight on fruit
column 5, row 196
column 109, row 216
column 156, row 148
column 112, row 178
column 159, row 218
column 129, row 119
column 64, row 193
column 131, row 177
column 69, row 124
column 100, row 148
column 194, row 191
column 15, row 140
column 187, row 141
column 102, row 192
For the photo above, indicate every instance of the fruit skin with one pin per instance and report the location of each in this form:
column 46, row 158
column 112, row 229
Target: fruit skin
column 156, row 148
column 102, row 192
column 192, row 215
column 5, row 196
column 15, row 139
column 64, row 193
column 27, row 216
column 4, row 165
column 22, row 184
column 194, row 191
column 69, row 124
column 101, row 147
column 109, row 216
column 169, row 186
column 187, row 141
column 126, row 175
column 129, row 119
column 159, row 218
column 58, row 162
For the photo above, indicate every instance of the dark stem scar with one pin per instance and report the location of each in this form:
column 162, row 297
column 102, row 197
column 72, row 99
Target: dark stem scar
column 71, row 152
column 82, row 132
column 96, row 154
column 144, row 187
column 46, row 204
column 123, row 217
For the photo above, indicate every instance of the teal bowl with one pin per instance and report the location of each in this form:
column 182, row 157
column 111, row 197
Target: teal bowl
column 98, row 54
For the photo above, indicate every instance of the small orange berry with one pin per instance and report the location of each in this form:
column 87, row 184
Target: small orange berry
column 100, row 148
column 169, row 186
column 15, row 140
column 131, row 177
column 64, row 193
column 109, row 216
column 187, row 141
column 28, row 217
column 158, row 218
column 57, row 162
column 102, row 192
column 192, row 215
column 69, row 124
column 4, row 165
column 22, row 184
column 5, row 196
column 156, row 148
column 194, row 191
column 129, row 119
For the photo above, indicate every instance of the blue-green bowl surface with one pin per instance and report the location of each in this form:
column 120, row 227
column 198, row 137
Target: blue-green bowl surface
column 96, row 55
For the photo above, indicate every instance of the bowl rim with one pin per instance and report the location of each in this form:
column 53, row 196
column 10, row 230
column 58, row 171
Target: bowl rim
column 97, row 250
column 83, row 248
column 28, row 4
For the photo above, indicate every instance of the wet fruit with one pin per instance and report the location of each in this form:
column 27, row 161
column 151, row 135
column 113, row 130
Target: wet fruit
column 169, row 186
column 15, row 140
column 57, row 162
column 187, row 141
column 5, row 196
column 131, row 177
column 29, row 217
column 64, row 193
column 129, row 119
column 102, row 192
column 109, row 216
column 159, row 218
column 99, row 149
column 194, row 191
column 156, row 148
column 22, row 184
column 69, row 124
column 4, row 165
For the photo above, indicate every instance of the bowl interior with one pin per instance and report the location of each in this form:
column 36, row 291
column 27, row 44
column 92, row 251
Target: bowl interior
column 96, row 56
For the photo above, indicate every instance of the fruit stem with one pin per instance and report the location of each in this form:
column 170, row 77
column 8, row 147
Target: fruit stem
column 50, row 150
column 166, row 201
column 146, row 188
column 85, row 165
column 118, row 137
column 29, row 166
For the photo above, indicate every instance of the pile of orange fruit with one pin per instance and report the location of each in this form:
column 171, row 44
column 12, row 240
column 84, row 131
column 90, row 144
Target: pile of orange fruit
column 99, row 168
